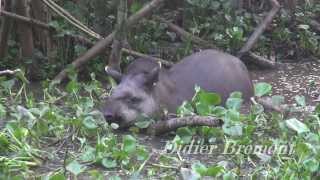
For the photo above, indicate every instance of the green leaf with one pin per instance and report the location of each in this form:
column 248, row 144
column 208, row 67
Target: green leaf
column 142, row 154
column 261, row 89
column 189, row 174
column 185, row 109
column 3, row 111
column 207, row 98
column 236, row 94
column 89, row 154
column 185, row 134
column 8, row 84
column 214, row 171
column 96, row 175
column 229, row 176
column 234, row 103
column 72, row 87
column 75, row 168
column 277, row 100
column 312, row 165
column 297, row 125
column 143, row 122
column 58, row 176
column 109, row 163
column 233, row 130
column 199, row 168
column 114, row 178
column 129, row 143
column 301, row 100
column 257, row 109
column 90, row 123
column 317, row 110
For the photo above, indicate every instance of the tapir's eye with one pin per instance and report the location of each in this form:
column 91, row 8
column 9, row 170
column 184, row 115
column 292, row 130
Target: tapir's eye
column 134, row 100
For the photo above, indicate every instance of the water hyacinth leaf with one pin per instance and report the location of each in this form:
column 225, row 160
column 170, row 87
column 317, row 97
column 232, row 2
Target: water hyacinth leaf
column 109, row 163
column 297, row 125
column 218, row 111
column 207, row 98
column 203, row 109
column 229, row 176
column 142, row 154
column 232, row 116
column 233, row 130
column 185, row 134
column 277, row 100
column 143, row 122
column 312, row 165
column 114, row 178
column 8, row 84
column 236, row 94
column 199, row 168
column 90, row 123
column 3, row 111
column 4, row 142
column 317, row 110
column 189, row 174
column 185, row 109
column 262, row 88
column 57, row 176
column 73, row 87
column 301, row 100
column 257, row 109
column 129, row 143
column 234, row 103
column 96, row 175
column 88, row 155
column 214, row 171
column 75, row 168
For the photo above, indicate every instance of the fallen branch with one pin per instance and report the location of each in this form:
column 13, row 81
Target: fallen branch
column 261, row 60
column 260, row 29
column 9, row 72
column 103, row 43
column 267, row 104
column 161, row 127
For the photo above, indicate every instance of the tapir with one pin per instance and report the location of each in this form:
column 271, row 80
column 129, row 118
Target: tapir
column 148, row 90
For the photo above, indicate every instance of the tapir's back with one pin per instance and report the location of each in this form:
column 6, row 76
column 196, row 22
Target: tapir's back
column 213, row 71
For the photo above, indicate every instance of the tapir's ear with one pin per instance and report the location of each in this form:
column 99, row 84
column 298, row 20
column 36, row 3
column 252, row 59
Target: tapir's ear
column 113, row 73
column 152, row 77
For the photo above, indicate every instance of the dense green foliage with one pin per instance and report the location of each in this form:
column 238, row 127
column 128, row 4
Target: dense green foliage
column 61, row 130
column 52, row 132
column 290, row 36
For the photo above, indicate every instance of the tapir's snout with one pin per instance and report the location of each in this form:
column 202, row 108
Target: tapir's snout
column 109, row 116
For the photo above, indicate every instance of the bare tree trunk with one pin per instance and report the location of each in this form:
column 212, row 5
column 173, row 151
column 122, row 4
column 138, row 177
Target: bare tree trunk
column 120, row 36
column 24, row 30
column 5, row 30
column 39, row 12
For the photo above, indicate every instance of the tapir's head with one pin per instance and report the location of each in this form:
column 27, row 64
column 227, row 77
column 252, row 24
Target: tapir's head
column 133, row 97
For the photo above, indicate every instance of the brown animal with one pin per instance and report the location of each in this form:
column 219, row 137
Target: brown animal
column 148, row 91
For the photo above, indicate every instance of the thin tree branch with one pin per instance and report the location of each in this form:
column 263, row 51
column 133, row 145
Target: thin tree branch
column 260, row 29
column 102, row 44
column 9, row 72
